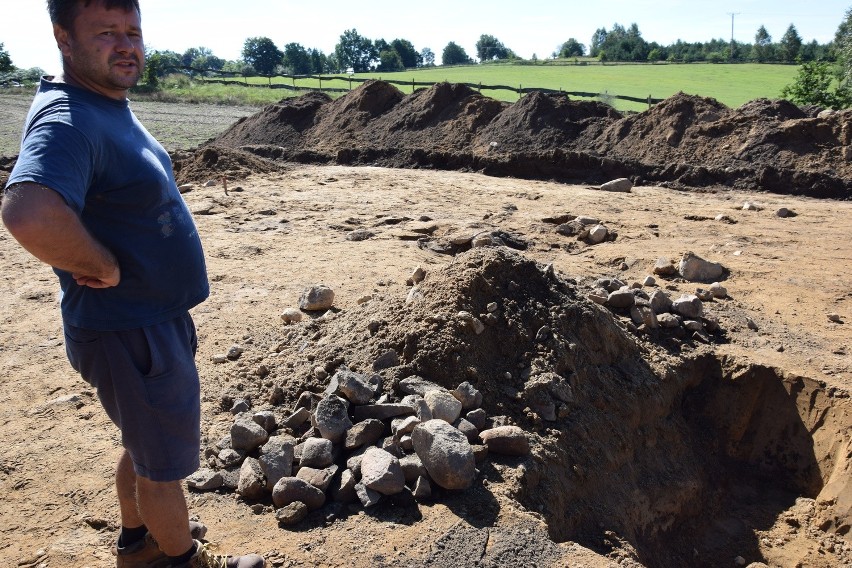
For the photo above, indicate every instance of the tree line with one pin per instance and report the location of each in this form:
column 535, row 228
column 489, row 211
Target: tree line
column 823, row 66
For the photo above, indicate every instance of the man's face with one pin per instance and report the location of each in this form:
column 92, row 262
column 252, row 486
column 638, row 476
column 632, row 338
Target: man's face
column 103, row 52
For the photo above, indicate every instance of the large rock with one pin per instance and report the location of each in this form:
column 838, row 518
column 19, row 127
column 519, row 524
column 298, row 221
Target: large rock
column 332, row 418
column 381, row 471
column 357, row 388
column 291, row 489
column 412, row 467
column 443, row 405
column 251, row 484
column 319, row 478
column 205, row 479
column 277, row 461
column 445, row 453
column 364, row 433
column 688, row 306
column 315, row 298
column 696, row 269
column 246, row 434
column 343, row 487
column 468, row 395
column 506, row 440
column 620, row 185
column 381, row 411
column 621, row 298
column 316, row 452
column 417, row 385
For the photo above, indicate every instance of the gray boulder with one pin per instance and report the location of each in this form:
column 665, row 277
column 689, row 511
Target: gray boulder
column 332, row 418
column 316, row 452
column 246, row 434
column 446, row 454
column 689, row 306
column 620, row 185
column 251, row 484
column 291, row 489
column 315, row 298
column 696, row 269
column 506, row 440
column 381, row 471
column 364, row 433
column 443, row 405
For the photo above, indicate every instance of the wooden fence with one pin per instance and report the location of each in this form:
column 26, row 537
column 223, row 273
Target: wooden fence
column 350, row 80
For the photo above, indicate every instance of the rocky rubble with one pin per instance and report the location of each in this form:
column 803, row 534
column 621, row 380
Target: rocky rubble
column 655, row 310
column 354, row 444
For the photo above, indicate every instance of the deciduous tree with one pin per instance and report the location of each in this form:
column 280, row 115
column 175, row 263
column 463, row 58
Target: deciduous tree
column 407, row 54
column 389, row 60
column 427, row 57
column 489, row 47
column 262, row 54
column 455, row 54
column 297, row 60
column 355, row 51
column 571, row 48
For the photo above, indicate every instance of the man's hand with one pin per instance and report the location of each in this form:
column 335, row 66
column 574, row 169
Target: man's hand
column 93, row 282
column 50, row 230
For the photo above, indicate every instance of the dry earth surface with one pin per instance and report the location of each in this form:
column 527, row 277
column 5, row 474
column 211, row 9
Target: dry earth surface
column 676, row 451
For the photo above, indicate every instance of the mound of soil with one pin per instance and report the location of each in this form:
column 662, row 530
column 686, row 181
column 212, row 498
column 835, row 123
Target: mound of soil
column 214, row 163
column 641, row 446
column 685, row 141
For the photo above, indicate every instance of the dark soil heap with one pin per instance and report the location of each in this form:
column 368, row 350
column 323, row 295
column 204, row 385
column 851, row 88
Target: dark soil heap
column 685, row 141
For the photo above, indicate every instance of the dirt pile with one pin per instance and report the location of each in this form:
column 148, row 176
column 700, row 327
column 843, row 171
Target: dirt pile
column 685, row 141
column 631, row 444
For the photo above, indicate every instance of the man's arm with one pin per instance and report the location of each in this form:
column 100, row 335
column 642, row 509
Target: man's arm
column 50, row 230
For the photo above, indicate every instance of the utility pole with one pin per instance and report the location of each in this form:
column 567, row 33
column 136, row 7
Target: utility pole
column 732, row 14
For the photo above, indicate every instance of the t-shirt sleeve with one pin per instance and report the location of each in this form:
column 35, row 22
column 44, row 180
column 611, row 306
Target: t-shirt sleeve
column 56, row 155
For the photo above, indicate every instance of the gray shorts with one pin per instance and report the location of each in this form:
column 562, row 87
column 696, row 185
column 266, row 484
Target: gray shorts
column 147, row 381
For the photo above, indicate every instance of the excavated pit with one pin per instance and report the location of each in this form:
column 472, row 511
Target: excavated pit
column 668, row 457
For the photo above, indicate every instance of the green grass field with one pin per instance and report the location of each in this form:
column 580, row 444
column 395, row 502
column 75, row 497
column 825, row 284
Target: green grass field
column 731, row 85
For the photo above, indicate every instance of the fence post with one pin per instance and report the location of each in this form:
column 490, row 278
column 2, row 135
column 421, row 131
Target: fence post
column 412, row 85
column 350, row 82
column 520, row 91
column 320, row 82
column 649, row 102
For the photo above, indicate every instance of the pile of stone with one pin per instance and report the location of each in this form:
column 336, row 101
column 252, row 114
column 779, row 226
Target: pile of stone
column 588, row 229
column 354, row 444
column 684, row 316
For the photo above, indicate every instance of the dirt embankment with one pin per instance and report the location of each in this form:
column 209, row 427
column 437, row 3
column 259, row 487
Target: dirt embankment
column 685, row 141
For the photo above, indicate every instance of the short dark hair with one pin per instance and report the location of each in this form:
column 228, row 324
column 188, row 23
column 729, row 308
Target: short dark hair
column 63, row 12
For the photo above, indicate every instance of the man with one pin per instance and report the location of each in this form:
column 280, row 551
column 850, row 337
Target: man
column 93, row 195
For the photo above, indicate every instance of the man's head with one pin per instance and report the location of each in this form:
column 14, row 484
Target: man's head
column 63, row 12
column 101, row 43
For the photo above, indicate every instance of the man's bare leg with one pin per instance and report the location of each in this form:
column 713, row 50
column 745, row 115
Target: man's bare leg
column 162, row 506
column 125, row 485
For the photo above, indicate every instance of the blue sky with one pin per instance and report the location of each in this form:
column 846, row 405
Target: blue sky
column 526, row 26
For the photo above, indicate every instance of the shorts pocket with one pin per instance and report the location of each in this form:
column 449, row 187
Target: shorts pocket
column 82, row 347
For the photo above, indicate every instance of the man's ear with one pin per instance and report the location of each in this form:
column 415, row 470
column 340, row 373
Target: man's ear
column 62, row 39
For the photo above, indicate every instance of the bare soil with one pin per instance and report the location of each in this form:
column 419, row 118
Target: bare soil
column 675, row 450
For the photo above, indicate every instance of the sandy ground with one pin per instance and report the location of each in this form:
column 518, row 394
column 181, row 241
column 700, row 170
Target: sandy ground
column 268, row 238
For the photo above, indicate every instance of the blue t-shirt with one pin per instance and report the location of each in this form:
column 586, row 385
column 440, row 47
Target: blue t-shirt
column 93, row 152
